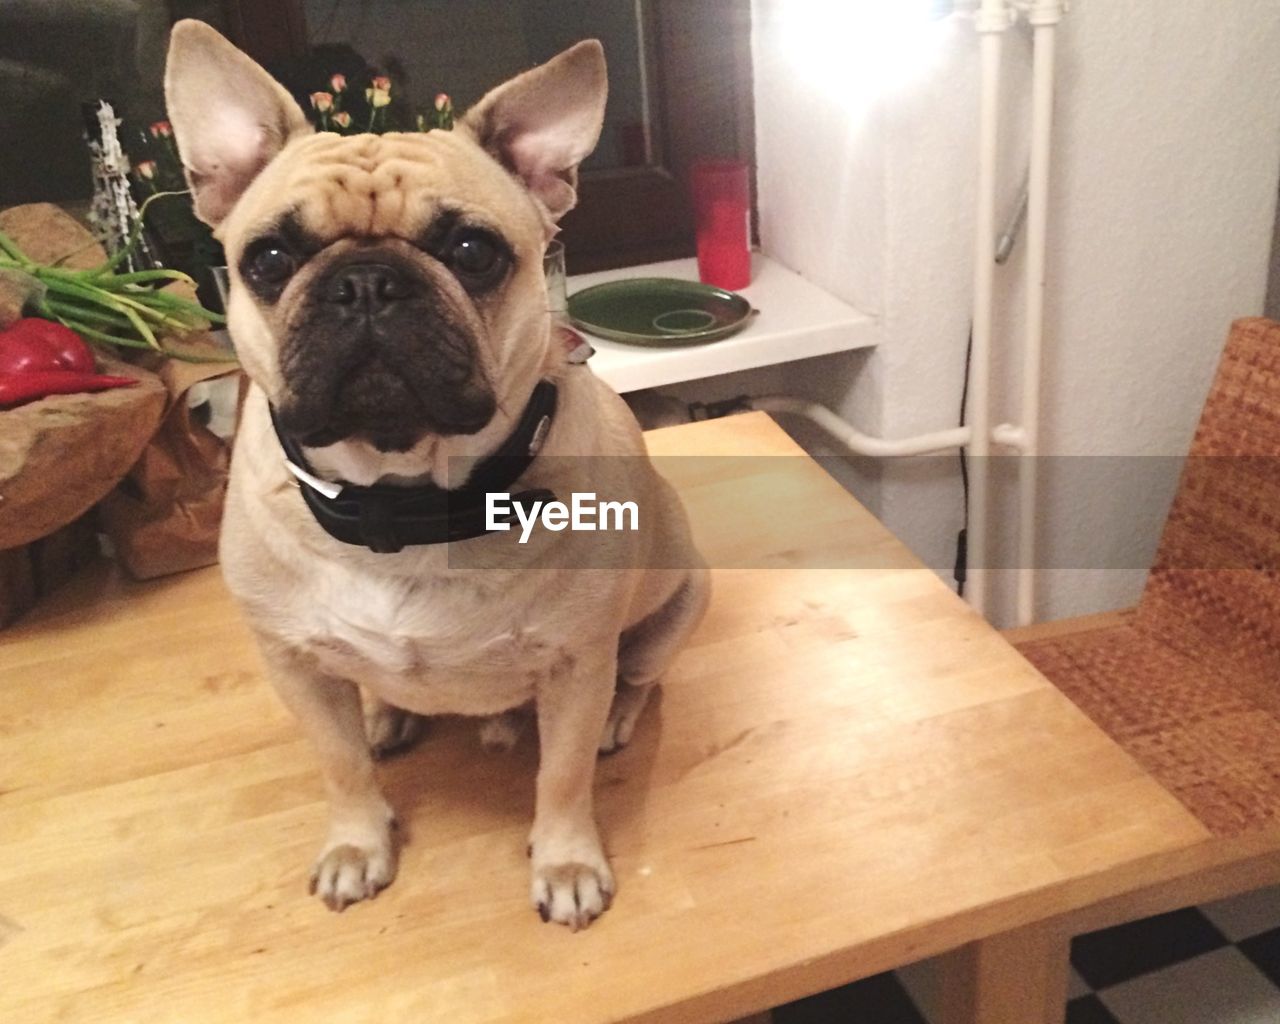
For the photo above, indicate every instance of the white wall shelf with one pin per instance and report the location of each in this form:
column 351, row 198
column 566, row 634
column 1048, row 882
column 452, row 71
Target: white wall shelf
column 797, row 320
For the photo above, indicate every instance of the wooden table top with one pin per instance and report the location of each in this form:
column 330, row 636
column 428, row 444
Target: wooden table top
column 846, row 771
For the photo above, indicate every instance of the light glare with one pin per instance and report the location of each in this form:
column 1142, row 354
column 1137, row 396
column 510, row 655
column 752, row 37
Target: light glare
column 858, row 50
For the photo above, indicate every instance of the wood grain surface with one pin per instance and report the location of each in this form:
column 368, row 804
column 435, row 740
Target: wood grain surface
column 847, row 770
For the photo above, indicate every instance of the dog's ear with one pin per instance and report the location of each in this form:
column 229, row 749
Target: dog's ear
column 229, row 116
column 540, row 125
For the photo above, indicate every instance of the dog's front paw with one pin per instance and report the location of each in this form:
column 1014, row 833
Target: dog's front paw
column 346, row 873
column 572, row 892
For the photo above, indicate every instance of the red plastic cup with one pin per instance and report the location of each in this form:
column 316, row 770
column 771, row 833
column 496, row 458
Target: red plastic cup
column 722, row 219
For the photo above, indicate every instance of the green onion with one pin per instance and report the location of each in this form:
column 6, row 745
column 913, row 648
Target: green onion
column 128, row 310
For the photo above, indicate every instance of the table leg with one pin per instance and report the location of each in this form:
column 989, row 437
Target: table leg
column 1017, row 977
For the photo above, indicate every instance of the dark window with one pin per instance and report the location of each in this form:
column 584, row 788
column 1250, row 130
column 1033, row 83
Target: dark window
column 680, row 88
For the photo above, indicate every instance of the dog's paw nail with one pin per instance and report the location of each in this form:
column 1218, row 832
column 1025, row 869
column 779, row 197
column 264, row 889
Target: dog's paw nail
column 572, row 893
column 347, row 874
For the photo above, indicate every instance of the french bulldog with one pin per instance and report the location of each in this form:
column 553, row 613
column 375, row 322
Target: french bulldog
column 389, row 307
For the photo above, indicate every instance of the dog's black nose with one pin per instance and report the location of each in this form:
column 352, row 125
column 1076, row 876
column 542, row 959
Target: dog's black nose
column 368, row 287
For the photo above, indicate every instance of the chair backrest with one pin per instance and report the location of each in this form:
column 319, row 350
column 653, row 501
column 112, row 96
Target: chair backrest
column 1215, row 586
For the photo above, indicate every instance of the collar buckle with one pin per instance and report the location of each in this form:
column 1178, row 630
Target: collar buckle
column 539, row 435
column 326, row 487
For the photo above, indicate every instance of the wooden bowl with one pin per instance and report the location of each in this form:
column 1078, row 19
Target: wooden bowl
column 61, row 455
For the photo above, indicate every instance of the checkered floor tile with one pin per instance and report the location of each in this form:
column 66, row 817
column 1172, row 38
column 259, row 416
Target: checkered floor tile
column 1216, row 964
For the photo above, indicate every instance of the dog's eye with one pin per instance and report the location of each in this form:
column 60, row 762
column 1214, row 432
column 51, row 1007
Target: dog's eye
column 478, row 259
column 272, row 264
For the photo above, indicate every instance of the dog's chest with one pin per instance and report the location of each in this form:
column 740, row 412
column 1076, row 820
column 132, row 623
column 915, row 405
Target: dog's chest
column 429, row 648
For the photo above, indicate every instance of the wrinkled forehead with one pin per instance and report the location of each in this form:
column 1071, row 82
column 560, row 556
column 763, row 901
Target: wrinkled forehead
column 379, row 186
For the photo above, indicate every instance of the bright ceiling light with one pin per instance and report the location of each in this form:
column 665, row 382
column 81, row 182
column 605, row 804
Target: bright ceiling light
column 858, row 50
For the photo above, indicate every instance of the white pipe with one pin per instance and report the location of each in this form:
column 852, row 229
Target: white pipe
column 1010, row 436
column 852, row 438
column 991, row 21
column 1044, row 16
column 992, row 18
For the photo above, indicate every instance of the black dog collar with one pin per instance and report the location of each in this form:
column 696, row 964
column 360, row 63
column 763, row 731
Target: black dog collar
column 385, row 518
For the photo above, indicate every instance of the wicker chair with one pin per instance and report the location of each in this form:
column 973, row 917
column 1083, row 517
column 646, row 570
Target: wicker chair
column 1188, row 682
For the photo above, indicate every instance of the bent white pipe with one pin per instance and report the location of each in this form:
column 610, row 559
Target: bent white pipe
column 992, row 18
column 852, row 438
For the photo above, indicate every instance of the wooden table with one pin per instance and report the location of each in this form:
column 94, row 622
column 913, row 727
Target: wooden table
column 848, row 770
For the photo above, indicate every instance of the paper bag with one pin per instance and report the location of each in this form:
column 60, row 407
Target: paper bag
column 165, row 515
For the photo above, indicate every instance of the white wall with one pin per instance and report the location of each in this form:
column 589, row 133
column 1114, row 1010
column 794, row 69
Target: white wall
column 1167, row 154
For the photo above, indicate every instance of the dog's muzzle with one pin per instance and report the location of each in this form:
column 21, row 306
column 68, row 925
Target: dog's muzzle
column 384, row 353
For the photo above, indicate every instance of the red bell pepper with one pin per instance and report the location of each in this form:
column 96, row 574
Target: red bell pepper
column 17, row 388
column 33, row 344
column 40, row 357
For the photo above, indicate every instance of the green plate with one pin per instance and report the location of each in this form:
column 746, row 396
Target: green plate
column 658, row 311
